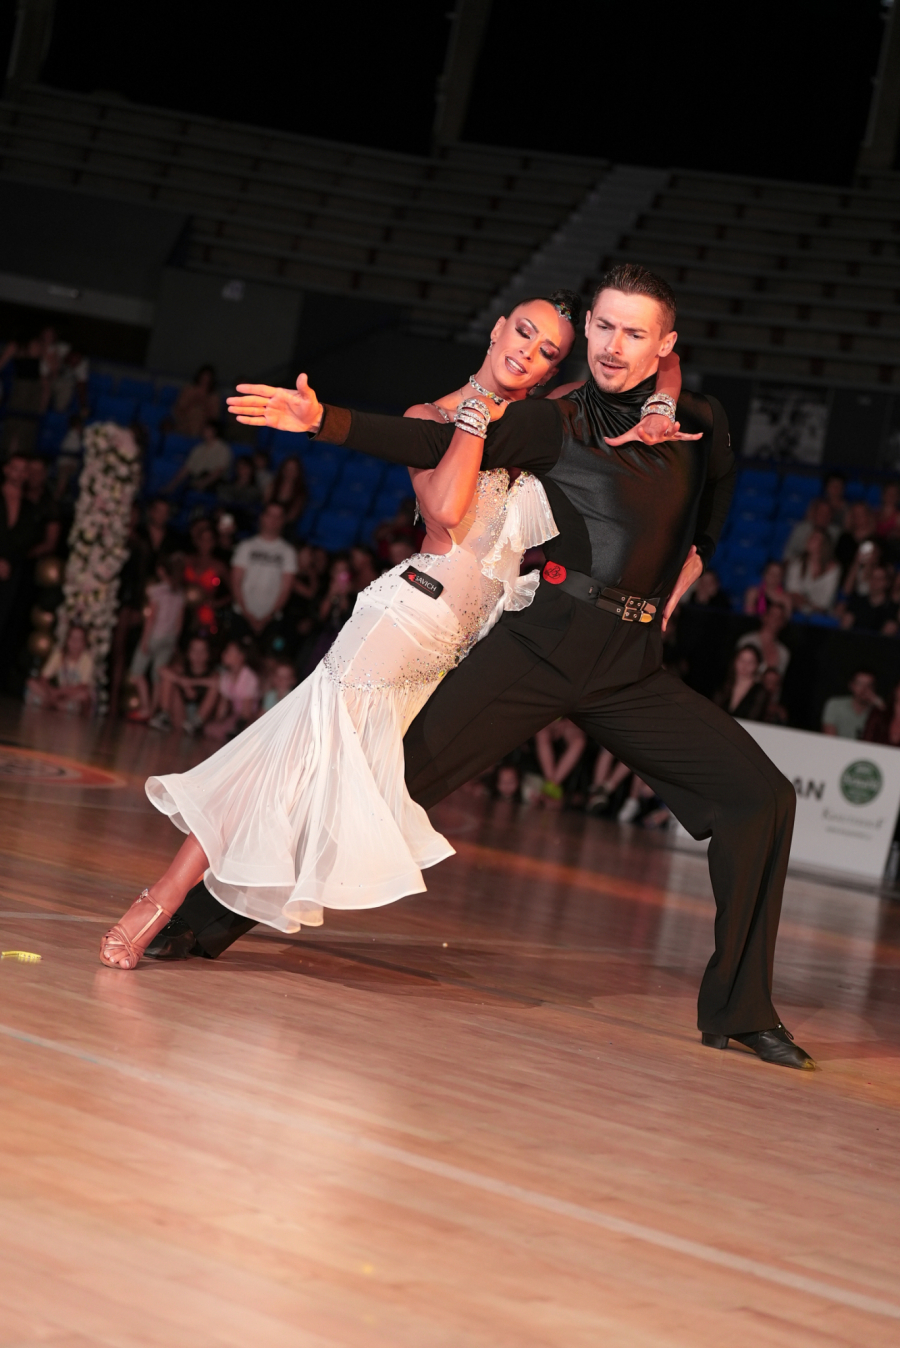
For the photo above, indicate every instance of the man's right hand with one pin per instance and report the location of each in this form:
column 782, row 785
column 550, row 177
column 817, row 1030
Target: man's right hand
column 284, row 409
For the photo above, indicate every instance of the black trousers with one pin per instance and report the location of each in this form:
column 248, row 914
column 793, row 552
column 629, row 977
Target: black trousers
column 563, row 657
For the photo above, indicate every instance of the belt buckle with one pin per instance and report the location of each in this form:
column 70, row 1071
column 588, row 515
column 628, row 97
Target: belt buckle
column 633, row 611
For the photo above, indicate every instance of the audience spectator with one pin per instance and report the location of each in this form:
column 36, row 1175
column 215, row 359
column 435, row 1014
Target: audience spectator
column 280, row 681
column 46, row 511
column 148, row 544
column 643, row 806
column 772, row 652
column 818, row 516
column 834, row 495
column 206, row 579
column 233, row 700
column 770, row 590
column 362, row 564
column 742, row 694
column 707, row 592
column 159, row 639
column 20, row 531
column 338, row 600
column 66, row 682
column 198, row 403
column 812, row 580
column 241, row 494
column 775, row 713
column 262, row 472
column 183, row 686
column 557, row 765
column 887, row 517
column 845, row 716
column 226, row 534
column 875, row 611
column 608, row 776
column 883, row 722
column 262, row 574
column 869, row 555
column 859, row 528
column 288, row 488
column 208, row 462
column 69, row 382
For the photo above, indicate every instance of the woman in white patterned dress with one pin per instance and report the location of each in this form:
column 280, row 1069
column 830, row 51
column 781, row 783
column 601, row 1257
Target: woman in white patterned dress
column 307, row 808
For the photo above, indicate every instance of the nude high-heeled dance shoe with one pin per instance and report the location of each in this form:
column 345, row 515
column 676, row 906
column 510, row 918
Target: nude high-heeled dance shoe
column 117, row 939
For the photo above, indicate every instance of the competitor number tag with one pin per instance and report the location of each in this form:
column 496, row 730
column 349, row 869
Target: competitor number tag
column 420, row 581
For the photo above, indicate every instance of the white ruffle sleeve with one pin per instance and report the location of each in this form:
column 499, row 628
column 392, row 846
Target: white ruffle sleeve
column 528, row 523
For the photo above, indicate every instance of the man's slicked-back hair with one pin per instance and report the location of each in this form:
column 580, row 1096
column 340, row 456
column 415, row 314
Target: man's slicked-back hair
column 633, row 279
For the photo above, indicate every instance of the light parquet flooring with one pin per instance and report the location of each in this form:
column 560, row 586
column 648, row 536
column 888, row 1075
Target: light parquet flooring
column 478, row 1118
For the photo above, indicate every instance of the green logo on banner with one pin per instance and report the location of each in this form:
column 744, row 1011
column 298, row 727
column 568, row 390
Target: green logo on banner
column 861, row 782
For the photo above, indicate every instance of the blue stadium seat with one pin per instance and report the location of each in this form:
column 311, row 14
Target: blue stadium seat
column 855, row 491
column 120, row 410
column 152, row 415
column 753, row 507
column 800, row 484
column 178, row 446
column 336, row 529
column 53, row 427
column 386, row 504
column 168, row 394
column 762, row 480
column 780, row 535
column 750, row 534
column 99, row 385
column 353, row 494
column 792, row 507
column 306, row 523
column 397, row 479
column 140, row 389
column 363, row 466
column 874, row 495
column 159, row 473
column 282, row 445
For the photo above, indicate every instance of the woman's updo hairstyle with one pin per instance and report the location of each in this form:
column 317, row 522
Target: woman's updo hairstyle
column 565, row 302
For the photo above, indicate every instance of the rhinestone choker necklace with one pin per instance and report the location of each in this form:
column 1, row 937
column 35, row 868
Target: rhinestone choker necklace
column 479, row 388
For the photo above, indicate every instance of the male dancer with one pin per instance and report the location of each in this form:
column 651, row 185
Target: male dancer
column 637, row 524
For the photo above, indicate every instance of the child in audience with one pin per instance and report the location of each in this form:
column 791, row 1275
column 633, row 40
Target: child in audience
column 281, row 680
column 159, row 639
column 233, row 700
column 556, row 766
column 183, row 686
column 66, row 682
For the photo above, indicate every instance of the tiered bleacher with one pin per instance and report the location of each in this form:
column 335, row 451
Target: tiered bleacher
column 435, row 235
column 790, row 280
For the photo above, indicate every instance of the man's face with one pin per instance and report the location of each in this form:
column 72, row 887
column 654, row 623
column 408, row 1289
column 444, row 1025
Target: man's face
column 862, row 687
column 271, row 520
column 37, row 474
column 625, row 339
column 821, row 515
column 158, row 514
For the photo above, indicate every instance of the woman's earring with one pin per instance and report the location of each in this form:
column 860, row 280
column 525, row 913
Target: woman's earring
column 490, row 344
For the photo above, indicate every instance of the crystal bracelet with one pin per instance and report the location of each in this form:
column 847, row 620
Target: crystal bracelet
column 473, row 417
column 660, row 405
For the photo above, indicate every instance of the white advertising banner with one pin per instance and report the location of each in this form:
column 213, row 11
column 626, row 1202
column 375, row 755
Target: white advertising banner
column 848, row 795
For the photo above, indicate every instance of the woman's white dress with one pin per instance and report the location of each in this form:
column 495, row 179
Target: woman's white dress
column 307, row 808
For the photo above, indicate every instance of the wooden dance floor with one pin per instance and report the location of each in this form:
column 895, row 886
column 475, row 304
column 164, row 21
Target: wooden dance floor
column 479, row 1118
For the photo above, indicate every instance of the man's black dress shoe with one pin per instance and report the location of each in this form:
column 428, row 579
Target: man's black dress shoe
column 176, row 941
column 775, row 1046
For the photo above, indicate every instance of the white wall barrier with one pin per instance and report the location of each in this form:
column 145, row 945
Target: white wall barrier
column 848, row 796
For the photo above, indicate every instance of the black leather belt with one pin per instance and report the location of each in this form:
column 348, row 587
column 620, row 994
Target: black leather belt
column 631, row 608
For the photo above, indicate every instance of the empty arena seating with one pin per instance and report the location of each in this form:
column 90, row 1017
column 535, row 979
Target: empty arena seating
column 436, row 235
column 791, row 280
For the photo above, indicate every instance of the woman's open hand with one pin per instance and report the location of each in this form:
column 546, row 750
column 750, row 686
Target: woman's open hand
column 286, row 409
column 653, row 430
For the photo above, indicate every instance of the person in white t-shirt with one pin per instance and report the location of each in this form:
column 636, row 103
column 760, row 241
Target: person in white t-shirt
column 209, row 462
column 262, row 573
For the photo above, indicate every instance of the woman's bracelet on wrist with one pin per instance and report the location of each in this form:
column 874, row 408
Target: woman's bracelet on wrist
column 473, row 417
column 659, row 405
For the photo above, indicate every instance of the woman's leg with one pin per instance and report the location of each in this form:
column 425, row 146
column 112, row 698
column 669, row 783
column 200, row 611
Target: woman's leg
column 123, row 944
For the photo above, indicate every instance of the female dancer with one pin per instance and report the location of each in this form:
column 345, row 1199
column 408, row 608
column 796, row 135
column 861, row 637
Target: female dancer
column 307, row 808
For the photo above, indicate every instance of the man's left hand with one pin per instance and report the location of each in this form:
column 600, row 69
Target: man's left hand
column 691, row 571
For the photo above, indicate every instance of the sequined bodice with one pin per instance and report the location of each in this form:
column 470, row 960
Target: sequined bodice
column 401, row 636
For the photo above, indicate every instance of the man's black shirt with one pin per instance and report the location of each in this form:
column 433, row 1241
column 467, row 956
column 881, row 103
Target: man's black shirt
column 626, row 515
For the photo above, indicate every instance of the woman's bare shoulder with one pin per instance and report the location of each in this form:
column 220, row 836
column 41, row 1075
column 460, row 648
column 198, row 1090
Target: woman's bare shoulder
column 431, row 411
